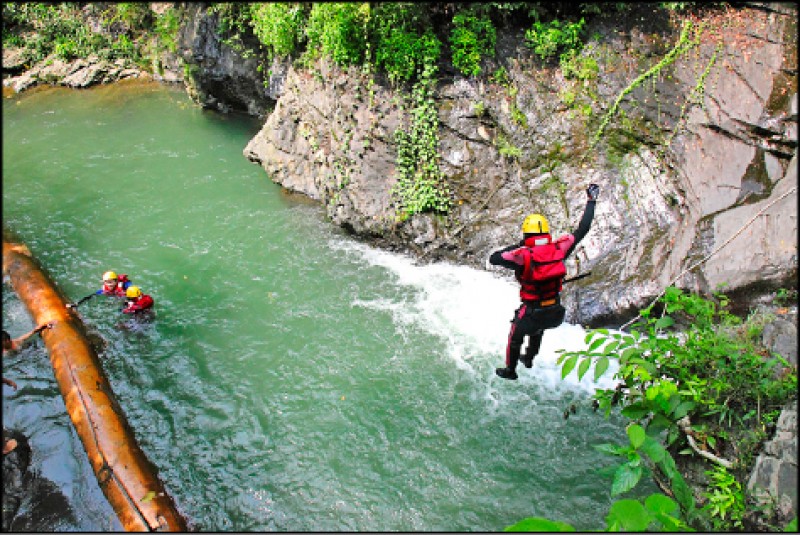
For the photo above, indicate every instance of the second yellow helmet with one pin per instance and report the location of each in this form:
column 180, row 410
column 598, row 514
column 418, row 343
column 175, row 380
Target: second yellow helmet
column 535, row 224
column 133, row 292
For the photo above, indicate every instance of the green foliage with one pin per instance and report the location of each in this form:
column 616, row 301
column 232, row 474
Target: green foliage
column 684, row 45
column 233, row 20
column 574, row 66
column 711, row 372
column 784, row 297
column 338, row 30
column 541, row 525
column 404, row 40
column 500, row 77
column 131, row 14
column 166, row 28
column 656, row 513
column 277, row 25
column 473, row 37
column 506, row 149
column 42, row 29
column 421, row 184
column 725, row 500
column 552, row 38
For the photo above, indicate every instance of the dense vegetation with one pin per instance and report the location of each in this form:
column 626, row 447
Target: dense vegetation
column 694, row 380
column 707, row 386
column 70, row 30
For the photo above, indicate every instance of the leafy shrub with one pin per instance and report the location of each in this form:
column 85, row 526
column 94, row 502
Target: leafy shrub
column 404, row 41
column 338, row 30
column 44, row 29
column 278, row 26
column 551, row 38
column 710, row 372
column 472, row 38
column 166, row 28
column 578, row 67
column 725, row 504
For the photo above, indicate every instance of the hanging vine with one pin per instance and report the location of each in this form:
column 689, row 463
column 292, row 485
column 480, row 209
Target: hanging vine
column 684, row 45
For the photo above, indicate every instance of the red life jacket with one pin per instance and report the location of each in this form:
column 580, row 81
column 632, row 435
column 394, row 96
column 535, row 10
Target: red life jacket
column 543, row 269
column 119, row 290
column 143, row 303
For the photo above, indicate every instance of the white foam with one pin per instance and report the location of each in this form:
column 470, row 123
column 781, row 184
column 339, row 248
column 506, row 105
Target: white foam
column 471, row 310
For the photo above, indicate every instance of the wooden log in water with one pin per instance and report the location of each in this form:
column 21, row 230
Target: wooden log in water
column 128, row 479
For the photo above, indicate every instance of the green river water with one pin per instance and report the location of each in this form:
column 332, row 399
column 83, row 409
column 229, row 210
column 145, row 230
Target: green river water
column 294, row 379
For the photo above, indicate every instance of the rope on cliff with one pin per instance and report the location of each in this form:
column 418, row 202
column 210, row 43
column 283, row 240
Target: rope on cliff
column 712, row 253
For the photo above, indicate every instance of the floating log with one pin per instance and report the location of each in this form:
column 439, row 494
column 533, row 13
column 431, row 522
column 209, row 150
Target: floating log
column 128, row 479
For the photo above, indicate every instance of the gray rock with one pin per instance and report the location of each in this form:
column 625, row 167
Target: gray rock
column 773, row 480
column 780, row 336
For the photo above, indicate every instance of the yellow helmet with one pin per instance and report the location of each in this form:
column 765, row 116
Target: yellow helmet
column 535, row 224
column 109, row 275
column 133, row 292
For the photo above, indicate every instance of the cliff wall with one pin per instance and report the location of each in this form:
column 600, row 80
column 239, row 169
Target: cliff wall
column 692, row 156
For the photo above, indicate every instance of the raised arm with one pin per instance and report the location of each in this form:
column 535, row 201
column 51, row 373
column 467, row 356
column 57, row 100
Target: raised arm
column 592, row 192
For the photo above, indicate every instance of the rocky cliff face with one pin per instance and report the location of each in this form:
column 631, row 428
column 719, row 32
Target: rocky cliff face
column 218, row 76
column 698, row 166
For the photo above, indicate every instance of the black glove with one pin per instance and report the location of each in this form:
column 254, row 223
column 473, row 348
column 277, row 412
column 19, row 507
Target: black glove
column 593, row 191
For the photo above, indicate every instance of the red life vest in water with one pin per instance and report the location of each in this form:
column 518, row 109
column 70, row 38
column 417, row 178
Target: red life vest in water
column 144, row 302
column 119, row 289
column 543, row 268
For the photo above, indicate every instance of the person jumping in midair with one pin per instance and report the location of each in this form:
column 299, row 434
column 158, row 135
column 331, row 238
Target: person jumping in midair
column 538, row 264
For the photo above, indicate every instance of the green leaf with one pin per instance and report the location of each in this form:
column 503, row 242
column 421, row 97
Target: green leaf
column 625, row 478
column 628, row 515
column 538, row 524
column 683, row 409
column 682, row 492
column 653, row 449
column 658, row 424
column 610, row 449
column 584, row 367
column 659, row 503
column 791, row 527
column 569, row 365
column 634, row 411
column 664, row 322
column 148, row 497
column 636, row 434
column 672, row 524
column 600, row 367
column 630, row 352
column 597, row 343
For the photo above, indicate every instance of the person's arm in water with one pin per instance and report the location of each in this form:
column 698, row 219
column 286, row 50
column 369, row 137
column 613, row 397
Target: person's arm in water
column 17, row 342
column 84, row 299
column 588, row 215
column 10, row 383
